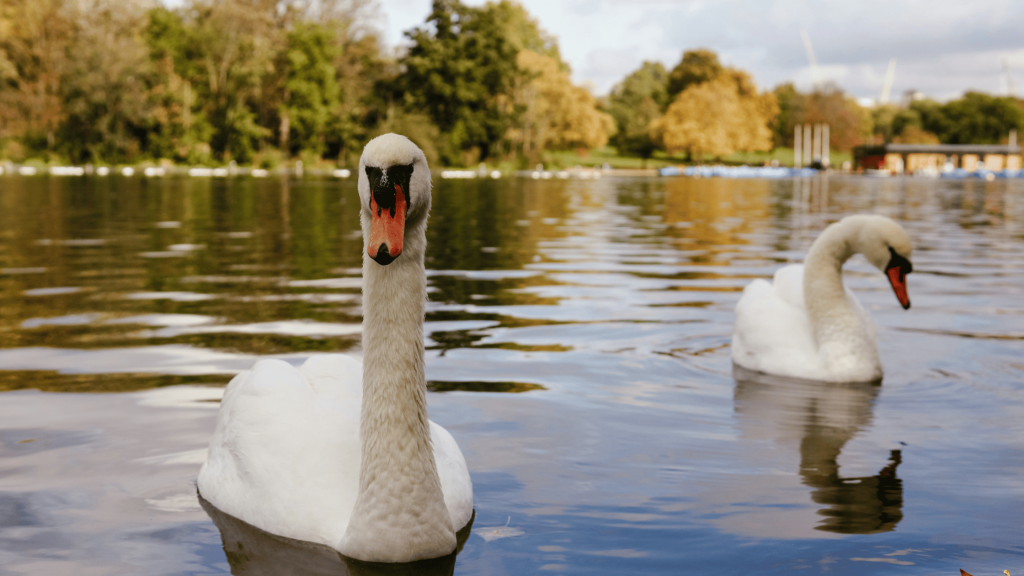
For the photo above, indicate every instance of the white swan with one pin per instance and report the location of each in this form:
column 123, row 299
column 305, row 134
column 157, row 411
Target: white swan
column 807, row 324
column 339, row 453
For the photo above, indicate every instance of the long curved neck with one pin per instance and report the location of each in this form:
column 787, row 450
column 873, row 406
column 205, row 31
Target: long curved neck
column 400, row 498
column 824, row 295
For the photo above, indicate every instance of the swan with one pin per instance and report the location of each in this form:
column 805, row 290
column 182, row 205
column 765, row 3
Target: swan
column 806, row 323
column 340, row 452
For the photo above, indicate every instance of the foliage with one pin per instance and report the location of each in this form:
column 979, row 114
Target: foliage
column 311, row 90
column 975, row 118
column 494, row 85
column 34, row 37
column 790, row 108
column 635, row 103
column 262, row 81
column 111, row 81
column 696, row 67
column 556, row 114
column 915, row 135
column 718, row 117
column 459, row 70
column 415, row 126
column 103, row 89
column 849, row 123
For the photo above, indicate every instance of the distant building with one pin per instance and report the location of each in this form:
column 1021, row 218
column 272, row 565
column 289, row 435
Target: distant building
column 899, row 158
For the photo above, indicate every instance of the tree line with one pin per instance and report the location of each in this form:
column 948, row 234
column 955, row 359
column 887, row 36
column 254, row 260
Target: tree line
column 262, row 81
column 701, row 107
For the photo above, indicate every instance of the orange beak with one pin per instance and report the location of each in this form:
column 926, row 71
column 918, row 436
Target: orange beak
column 387, row 228
column 896, row 272
column 898, row 279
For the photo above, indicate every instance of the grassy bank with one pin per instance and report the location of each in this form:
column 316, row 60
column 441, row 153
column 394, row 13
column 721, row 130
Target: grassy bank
column 552, row 159
column 570, row 158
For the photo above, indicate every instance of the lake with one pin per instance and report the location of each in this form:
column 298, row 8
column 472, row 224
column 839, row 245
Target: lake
column 577, row 349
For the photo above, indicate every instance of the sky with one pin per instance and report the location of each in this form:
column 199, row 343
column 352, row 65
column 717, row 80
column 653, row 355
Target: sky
column 942, row 47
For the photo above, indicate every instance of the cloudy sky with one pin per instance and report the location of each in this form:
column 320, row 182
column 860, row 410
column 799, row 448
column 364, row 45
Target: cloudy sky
column 942, row 47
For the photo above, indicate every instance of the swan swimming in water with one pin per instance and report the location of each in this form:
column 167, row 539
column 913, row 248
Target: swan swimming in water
column 806, row 323
column 341, row 453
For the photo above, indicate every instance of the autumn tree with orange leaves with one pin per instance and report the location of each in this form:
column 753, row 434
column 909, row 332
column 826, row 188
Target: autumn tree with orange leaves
column 717, row 117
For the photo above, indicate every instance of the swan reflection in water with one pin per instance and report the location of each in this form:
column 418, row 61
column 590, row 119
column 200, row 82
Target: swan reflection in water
column 254, row 552
column 822, row 417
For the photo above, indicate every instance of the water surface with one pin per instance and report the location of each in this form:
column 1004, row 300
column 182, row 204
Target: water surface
column 578, row 350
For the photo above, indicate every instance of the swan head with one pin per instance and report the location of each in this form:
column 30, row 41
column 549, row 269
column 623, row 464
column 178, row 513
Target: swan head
column 886, row 245
column 394, row 194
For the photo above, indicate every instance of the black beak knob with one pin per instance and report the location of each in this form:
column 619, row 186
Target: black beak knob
column 383, row 257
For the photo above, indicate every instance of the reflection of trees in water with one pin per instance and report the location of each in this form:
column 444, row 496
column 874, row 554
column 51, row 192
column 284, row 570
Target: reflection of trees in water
column 492, row 224
column 823, row 417
column 716, row 213
column 254, row 552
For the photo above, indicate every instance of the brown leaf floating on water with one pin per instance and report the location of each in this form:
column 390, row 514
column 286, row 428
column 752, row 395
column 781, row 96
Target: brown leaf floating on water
column 962, row 573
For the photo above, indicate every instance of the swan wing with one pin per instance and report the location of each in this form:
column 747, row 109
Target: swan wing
column 285, row 452
column 772, row 333
column 454, row 475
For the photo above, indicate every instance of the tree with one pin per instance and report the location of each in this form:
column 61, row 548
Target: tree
column 460, row 70
column 311, row 89
column 104, row 88
column 557, row 114
column 696, row 67
column 636, row 102
column 717, row 117
column 977, row 119
column 882, row 118
column 791, row 107
column 915, row 135
column 751, row 130
column 34, row 38
column 849, row 123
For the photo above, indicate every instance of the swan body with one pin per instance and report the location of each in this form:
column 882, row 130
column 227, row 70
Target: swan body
column 340, row 452
column 806, row 323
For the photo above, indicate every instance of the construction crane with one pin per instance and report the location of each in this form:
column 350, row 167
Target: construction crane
column 1010, row 88
column 890, row 75
column 815, row 73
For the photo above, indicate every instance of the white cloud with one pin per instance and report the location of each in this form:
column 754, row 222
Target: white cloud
column 943, row 47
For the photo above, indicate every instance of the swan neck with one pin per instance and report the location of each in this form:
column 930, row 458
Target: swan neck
column 394, row 408
column 400, row 497
column 394, row 304
column 824, row 293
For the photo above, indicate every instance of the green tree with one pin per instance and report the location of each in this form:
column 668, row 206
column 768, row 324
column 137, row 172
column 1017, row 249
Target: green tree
column 791, row 106
column 882, row 117
column 635, row 103
column 905, row 118
column 311, row 89
column 104, row 89
column 461, row 70
column 977, row 119
column 696, row 67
